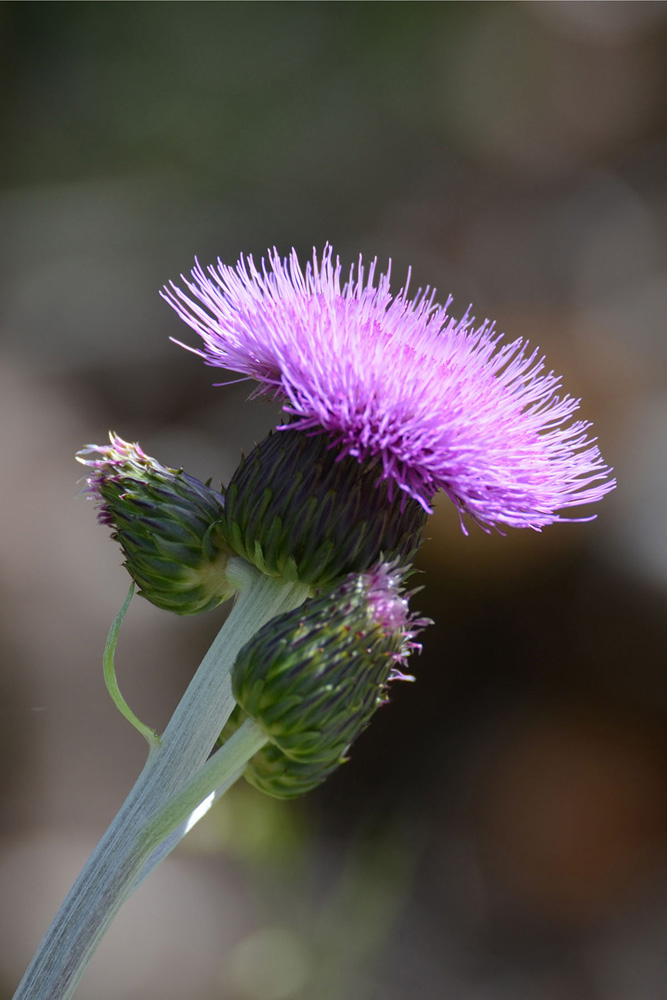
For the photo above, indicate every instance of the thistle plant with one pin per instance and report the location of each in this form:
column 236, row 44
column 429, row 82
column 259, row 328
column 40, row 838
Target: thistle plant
column 387, row 400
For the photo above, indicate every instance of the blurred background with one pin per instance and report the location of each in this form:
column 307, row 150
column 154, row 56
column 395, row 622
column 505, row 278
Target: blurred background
column 501, row 830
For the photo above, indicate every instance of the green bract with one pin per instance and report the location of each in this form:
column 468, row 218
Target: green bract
column 297, row 509
column 272, row 772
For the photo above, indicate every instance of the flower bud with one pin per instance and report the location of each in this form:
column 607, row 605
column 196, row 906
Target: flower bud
column 297, row 509
column 168, row 524
column 312, row 678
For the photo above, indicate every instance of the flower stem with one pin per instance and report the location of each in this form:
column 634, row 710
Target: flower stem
column 173, row 783
column 176, row 835
column 226, row 763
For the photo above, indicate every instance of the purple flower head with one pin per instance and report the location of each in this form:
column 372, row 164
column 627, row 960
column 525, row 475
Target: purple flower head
column 438, row 403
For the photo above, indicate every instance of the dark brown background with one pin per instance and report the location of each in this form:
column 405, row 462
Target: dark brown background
column 500, row 831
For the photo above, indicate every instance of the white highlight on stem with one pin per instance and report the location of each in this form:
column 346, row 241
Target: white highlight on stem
column 176, row 836
column 199, row 813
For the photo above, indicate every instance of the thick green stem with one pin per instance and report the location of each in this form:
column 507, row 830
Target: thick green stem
column 160, row 798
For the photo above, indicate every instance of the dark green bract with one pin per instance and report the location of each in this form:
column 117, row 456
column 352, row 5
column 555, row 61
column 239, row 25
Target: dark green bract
column 298, row 511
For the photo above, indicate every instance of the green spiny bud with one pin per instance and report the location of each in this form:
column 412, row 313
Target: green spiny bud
column 312, row 678
column 298, row 510
column 168, row 524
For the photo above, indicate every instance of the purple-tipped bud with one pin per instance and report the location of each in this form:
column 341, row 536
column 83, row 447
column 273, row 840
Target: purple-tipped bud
column 168, row 524
column 313, row 678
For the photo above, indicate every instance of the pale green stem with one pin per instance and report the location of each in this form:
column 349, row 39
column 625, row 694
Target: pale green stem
column 120, row 858
column 176, row 836
column 223, row 765
column 192, row 803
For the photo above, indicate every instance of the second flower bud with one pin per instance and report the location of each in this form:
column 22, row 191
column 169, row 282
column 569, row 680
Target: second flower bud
column 313, row 678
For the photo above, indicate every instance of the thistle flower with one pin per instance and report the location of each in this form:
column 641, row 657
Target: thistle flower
column 436, row 402
column 168, row 524
column 313, row 678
